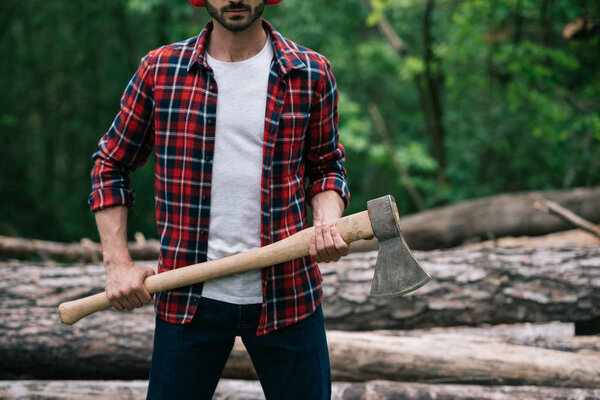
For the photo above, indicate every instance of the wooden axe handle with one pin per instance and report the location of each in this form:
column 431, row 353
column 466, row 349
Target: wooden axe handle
column 353, row 227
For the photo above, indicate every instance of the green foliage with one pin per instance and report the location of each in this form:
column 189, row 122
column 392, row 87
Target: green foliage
column 521, row 104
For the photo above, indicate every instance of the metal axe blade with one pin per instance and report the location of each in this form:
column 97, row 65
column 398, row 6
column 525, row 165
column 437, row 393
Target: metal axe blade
column 397, row 271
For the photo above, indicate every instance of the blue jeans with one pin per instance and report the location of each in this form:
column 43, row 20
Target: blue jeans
column 187, row 360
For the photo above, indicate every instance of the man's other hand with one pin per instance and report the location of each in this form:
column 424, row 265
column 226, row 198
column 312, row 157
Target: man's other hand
column 327, row 244
column 125, row 285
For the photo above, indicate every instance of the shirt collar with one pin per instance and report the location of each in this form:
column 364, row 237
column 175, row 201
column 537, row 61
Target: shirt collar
column 285, row 54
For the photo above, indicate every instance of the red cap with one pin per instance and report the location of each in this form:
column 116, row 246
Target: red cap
column 202, row 3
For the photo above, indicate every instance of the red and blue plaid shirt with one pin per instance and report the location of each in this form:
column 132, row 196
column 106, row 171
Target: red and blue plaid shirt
column 170, row 104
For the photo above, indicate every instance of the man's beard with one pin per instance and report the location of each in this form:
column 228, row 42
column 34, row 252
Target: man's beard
column 237, row 23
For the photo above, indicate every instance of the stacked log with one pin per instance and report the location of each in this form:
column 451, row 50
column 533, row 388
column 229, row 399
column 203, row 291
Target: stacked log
column 413, row 338
column 84, row 251
column 470, row 287
column 251, row 390
column 485, row 218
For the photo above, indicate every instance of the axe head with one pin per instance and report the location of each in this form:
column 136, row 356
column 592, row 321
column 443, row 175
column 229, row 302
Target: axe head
column 397, row 271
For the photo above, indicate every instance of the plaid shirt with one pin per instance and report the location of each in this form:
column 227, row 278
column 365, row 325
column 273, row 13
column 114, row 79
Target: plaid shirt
column 170, row 104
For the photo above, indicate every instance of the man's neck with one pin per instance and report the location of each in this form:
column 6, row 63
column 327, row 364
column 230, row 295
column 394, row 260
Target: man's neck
column 228, row 46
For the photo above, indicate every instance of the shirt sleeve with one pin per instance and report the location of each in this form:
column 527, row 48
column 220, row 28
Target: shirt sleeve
column 326, row 155
column 127, row 144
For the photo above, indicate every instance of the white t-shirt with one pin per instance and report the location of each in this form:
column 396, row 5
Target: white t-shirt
column 235, row 207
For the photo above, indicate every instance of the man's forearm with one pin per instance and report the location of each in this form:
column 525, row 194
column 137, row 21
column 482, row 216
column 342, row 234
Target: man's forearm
column 124, row 279
column 112, row 227
column 327, row 206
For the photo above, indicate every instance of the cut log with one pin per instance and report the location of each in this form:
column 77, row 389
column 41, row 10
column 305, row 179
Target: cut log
column 84, row 251
column 34, row 345
column 471, row 286
column 492, row 217
column 367, row 356
column 457, row 361
column 450, row 359
column 496, row 216
column 572, row 238
column 553, row 335
column 251, row 390
column 475, row 220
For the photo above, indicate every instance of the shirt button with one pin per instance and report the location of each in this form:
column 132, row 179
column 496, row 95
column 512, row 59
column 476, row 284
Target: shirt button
column 204, row 198
column 207, row 158
column 212, row 88
column 210, row 122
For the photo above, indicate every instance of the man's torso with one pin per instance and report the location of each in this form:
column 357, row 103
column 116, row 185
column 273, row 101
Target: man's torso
column 235, row 189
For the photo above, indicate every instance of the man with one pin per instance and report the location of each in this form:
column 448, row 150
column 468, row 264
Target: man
column 238, row 117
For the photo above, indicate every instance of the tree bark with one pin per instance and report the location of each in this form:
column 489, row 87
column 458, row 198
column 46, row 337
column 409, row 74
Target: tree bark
column 366, row 357
column 251, row 390
column 34, row 345
column 471, row 286
column 553, row 335
column 444, row 358
column 94, row 347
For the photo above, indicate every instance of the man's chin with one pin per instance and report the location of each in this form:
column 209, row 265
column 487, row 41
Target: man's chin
column 237, row 23
column 236, row 27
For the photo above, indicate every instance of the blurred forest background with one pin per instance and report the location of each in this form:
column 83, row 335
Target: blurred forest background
column 440, row 100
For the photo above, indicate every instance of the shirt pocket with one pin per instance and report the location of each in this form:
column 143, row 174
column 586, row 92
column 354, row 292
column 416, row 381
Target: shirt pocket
column 293, row 124
column 290, row 143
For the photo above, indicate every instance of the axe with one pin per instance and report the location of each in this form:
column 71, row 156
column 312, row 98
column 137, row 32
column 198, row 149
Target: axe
column 397, row 272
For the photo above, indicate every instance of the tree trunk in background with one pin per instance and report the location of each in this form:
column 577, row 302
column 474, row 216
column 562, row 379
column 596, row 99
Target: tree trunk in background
column 432, row 83
column 429, row 84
